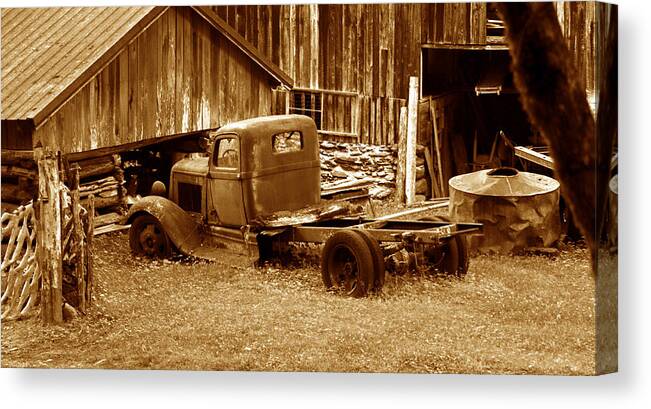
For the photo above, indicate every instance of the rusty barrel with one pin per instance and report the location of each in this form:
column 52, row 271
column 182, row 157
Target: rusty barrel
column 518, row 209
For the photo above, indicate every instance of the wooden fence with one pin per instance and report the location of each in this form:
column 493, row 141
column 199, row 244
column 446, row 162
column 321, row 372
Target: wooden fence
column 47, row 249
column 20, row 273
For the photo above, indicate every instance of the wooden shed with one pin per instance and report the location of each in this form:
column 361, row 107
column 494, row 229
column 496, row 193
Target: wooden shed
column 102, row 79
column 92, row 82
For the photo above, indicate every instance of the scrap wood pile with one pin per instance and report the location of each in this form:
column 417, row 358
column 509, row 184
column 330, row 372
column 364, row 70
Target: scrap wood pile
column 357, row 165
column 103, row 178
column 19, row 178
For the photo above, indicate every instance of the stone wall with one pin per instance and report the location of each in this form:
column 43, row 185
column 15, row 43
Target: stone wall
column 344, row 164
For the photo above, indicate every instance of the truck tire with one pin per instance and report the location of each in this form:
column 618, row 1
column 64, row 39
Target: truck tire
column 379, row 270
column 347, row 263
column 456, row 259
column 148, row 238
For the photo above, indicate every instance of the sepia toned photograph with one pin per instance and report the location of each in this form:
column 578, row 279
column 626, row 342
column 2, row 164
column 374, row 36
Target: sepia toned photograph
column 361, row 188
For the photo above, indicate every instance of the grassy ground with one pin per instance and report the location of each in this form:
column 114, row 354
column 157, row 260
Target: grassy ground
column 522, row 314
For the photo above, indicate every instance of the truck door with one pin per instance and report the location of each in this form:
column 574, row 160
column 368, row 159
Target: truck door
column 225, row 204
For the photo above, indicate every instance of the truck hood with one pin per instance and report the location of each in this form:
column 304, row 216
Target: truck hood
column 192, row 166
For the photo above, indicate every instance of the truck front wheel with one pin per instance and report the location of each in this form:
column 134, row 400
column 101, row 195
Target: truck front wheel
column 347, row 263
column 148, row 238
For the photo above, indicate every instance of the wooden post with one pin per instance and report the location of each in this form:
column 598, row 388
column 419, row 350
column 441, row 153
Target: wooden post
column 402, row 155
column 90, row 232
column 78, row 241
column 437, row 146
column 49, row 237
column 412, row 129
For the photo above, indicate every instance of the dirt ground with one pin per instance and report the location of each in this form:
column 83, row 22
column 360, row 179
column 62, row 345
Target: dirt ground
column 520, row 314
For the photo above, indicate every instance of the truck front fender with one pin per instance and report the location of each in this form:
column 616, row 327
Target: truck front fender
column 182, row 229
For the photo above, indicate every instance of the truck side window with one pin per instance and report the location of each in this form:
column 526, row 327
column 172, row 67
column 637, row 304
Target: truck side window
column 228, row 154
column 287, row 142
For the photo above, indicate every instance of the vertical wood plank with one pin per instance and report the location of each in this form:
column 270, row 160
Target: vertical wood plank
column 412, row 124
column 189, row 110
column 375, row 50
column 123, row 96
column 402, row 156
column 478, row 23
column 390, row 62
column 179, row 111
column 359, row 33
column 313, row 13
column 170, row 63
column 275, row 43
column 292, row 45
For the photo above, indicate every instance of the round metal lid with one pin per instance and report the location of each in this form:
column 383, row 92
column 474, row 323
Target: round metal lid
column 504, row 182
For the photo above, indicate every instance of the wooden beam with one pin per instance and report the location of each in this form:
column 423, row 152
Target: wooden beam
column 240, row 42
column 111, row 150
column 412, row 131
column 438, row 205
column 535, row 157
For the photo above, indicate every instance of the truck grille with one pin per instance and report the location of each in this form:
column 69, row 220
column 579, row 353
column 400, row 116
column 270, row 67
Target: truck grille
column 190, row 197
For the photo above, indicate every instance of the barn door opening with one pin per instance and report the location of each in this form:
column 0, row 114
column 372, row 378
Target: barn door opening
column 479, row 111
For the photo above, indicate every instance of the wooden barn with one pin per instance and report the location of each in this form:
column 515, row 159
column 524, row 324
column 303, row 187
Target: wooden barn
column 93, row 82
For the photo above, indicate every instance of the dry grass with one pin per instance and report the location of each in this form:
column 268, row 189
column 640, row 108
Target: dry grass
column 528, row 314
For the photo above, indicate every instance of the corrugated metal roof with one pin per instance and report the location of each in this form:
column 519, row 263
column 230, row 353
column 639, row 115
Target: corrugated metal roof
column 46, row 51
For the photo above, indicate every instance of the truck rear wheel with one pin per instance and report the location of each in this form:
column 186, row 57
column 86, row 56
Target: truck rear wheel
column 456, row 256
column 148, row 238
column 347, row 263
column 379, row 269
column 454, row 253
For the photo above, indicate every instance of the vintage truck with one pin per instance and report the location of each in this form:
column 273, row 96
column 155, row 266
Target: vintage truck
column 259, row 187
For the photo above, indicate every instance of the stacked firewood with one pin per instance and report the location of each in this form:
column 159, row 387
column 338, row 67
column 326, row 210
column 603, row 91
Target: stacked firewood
column 103, row 178
column 346, row 165
column 19, row 178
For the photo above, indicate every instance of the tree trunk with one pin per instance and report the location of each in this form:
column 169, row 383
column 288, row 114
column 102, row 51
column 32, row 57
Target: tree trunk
column 554, row 97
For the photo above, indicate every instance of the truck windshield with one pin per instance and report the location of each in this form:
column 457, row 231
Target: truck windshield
column 227, row 154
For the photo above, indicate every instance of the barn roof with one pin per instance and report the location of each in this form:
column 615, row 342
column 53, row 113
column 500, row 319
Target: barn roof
column 50, row 53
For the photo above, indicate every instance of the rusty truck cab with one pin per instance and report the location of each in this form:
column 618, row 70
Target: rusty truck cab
column 256, row 167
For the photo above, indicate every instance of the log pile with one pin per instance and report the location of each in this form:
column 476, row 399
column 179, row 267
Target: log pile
column 19, row 178
column 348, row 165
column 102, row 178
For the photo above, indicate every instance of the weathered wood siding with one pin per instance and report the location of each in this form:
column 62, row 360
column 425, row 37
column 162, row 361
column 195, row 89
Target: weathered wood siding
column 579, row 25
column 367, row 49
column 373, row 49
column 179, row 75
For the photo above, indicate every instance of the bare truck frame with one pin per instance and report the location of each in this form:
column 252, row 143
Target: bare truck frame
column 259, row 186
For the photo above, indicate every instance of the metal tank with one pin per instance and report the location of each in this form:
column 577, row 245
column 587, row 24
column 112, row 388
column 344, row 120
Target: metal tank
column 518, row 209
column 612, row 211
